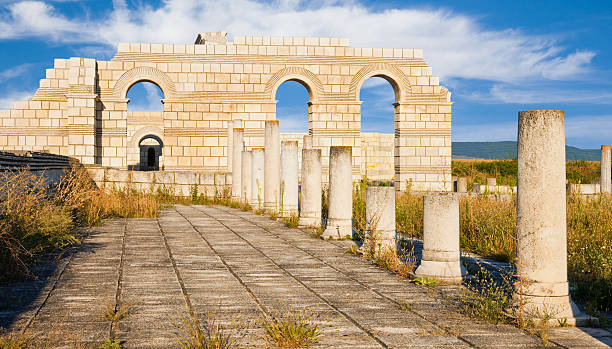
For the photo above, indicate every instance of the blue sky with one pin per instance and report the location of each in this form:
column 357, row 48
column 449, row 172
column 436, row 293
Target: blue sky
column 496, row 57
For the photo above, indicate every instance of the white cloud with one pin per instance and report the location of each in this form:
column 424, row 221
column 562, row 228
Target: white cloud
column 7, row 99
column 151, row 101
column 14, row 72
column 455, row 45
column 541, row 93
column 589, row 127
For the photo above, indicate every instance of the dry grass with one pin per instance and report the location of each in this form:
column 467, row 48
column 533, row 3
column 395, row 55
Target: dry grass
column 207, row 334
column 292, row 327
column 36, row 219
column 292, row 220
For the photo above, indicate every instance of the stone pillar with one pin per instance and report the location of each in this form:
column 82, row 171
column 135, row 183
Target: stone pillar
column 231, row 125
column 541, row 217
column 289, row 178
column 461, row 185
column 246, row 179
column 272, row 167
column 237, row 144
column 605, row 180
column 340, row 194
column 310, row 203
column 491, row 181
column 307, row 142
column 258, row 178
column 380, row 219
column 441, row 256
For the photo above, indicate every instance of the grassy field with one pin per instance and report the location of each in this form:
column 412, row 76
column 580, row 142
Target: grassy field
column 477, row 171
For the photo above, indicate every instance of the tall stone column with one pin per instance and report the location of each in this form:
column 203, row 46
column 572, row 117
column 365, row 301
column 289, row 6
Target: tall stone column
column 541, row 217
column 257, row 186
column 441, row 254
column 237, row 144
column 380, row 219
column 310, row 203
column 272, row 167
column 246, row 176
column 289, row 178
column 340, row 194
column 605, row 180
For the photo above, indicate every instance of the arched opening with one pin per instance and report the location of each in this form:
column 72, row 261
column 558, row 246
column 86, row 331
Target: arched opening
column 292, row 109
column 150, row 152
column 145, row 96
column 379, row 95
column 145, row 124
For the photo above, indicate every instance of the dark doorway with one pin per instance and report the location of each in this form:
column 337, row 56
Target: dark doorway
column 151, row 157
column 150, row 151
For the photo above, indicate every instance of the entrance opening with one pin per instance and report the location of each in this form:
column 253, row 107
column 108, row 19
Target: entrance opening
column 151, row 157
column 292, row 107
column 378, row 130
column 150, row 151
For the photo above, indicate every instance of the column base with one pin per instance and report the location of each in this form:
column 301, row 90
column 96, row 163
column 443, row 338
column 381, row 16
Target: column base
column 337, row 229
column 555, row 311
column 445, row 272
column 376, row 247
column 289, row 211
column 309, row 222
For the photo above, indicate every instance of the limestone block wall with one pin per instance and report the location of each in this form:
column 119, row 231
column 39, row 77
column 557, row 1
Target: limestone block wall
column 80, row 108
column 377, row 160
column 180, row 183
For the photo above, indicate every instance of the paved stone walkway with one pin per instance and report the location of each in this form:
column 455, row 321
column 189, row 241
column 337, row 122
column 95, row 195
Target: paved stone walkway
column 240, row 267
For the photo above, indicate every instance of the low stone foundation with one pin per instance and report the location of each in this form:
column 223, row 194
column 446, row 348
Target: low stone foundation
column 175, row 182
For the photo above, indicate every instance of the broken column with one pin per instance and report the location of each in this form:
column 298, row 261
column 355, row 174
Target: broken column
column 289, row 178
column 541, row 218
column 461, row 185
column 441, row 256
column 272, row 167
column 605, row 180
column 310, row 203
column 491, row 182
column 340, row 194
column 237, row 144
column 246, row 176
column 258, row 178
column 380, row 219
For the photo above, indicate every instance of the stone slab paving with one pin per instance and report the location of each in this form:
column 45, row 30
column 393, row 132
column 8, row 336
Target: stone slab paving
column 240, row 267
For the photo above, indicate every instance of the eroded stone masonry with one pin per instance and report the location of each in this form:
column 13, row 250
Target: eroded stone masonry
column 80, row 108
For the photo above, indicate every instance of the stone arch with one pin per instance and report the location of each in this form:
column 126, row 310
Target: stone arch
column 139, row 74
column 150, row 132
column 398, row 80
column 304, row 76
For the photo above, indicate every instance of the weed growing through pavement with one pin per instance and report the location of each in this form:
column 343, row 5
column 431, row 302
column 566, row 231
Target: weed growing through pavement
column 292, row 220
column 487, row 298
column 292, row 327
column 114, row 313
column 208, row 334
column 110, row 344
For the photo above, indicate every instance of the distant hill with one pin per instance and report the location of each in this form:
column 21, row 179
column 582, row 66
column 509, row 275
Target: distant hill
column 507, row 150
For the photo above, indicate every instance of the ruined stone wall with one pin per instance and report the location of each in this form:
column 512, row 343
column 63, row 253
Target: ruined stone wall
column 80, row 109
